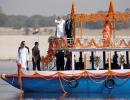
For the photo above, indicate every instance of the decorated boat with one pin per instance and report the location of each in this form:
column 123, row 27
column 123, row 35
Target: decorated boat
column 101, row 73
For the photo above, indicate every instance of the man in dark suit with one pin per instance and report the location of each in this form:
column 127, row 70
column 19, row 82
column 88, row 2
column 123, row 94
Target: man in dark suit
column 60, row 62
column 36, row 57
column 68, row 27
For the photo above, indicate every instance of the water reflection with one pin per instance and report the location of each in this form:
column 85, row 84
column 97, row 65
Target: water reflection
column 20, row 96
column 72, row 96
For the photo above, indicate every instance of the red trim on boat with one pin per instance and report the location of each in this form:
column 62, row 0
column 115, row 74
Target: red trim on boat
column 49, row 77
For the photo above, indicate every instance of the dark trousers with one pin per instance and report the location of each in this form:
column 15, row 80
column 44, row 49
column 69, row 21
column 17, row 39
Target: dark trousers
column 69, row 37
column 68, row 33
column 60, row 67
column 36, row 64
column 27, row 66
column 60, row 64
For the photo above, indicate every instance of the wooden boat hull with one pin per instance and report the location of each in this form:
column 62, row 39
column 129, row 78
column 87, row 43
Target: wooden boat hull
column 72, row 83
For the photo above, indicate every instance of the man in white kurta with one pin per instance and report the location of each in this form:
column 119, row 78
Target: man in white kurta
column 23, row 56
column 60, row 27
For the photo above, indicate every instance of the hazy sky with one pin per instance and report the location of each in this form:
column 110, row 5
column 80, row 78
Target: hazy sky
column 58, row 7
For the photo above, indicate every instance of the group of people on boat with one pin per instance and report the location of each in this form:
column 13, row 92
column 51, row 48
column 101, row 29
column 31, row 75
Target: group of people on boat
column 23, row 56
column 63, row 59
column 63, row 28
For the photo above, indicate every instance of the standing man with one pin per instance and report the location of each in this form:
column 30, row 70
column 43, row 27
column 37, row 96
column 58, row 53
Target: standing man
column 59, row 27
column 68, row 27
column 60, row 62
column 28, row 59
column 23, row 55
column 36, row 57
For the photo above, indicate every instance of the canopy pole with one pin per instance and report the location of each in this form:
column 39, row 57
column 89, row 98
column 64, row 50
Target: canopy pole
column 104, row 59
column 92, row 59
column 109, row 61
column 127, row 58
column 85, row 61
column 73, row 18
column 73, row 61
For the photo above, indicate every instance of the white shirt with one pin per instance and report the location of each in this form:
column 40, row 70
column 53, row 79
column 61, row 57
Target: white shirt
column 60, row 27
column 23, row 57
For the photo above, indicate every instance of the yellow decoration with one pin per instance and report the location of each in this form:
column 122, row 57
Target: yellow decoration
column 4, row 76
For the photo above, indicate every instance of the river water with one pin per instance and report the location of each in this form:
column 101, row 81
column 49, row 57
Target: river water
column 7, row 92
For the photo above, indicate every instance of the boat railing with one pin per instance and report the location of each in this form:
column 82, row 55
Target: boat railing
column 98, row 42
column 92, row 41
column 122, row 44
column 70, row 40
column 52, row 64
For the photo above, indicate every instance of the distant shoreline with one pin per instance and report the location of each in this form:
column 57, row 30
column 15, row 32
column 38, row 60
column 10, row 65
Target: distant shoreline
column 7, row 59
column 10, row 43
column 45, row 31
column 23, row 31
column 10, row 60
